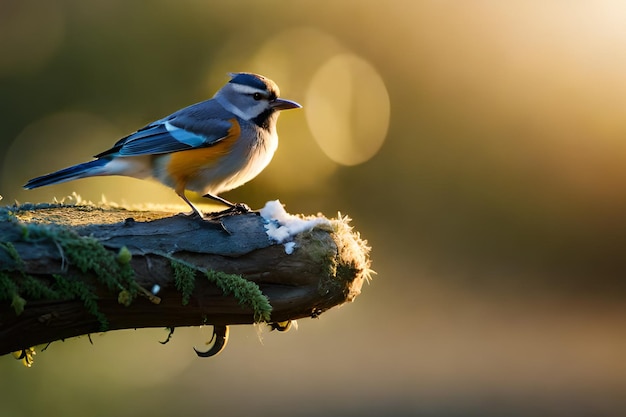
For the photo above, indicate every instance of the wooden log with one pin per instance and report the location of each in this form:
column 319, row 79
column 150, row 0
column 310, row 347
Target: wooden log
column 70, row 270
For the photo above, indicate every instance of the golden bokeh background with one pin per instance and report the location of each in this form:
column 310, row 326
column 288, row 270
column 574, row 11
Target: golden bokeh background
column 480, row 147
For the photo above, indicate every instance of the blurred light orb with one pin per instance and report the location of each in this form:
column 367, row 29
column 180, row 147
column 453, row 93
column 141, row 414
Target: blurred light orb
column 290, row 57
column 347, row 109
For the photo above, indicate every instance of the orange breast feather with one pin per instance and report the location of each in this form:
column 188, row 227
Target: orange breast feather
column 184, row 165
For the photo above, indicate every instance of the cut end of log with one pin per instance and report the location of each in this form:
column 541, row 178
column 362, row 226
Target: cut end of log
column 73, row 269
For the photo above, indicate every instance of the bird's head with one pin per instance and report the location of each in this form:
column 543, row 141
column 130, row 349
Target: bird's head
column 253, row 97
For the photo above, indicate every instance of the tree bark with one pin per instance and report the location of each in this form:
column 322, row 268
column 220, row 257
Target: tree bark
column 66, row 271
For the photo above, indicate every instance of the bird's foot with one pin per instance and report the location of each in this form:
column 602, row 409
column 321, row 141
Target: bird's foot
column 239, row 208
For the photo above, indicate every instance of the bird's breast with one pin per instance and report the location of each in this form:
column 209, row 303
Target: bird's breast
column 227, row 164
column 186, row 164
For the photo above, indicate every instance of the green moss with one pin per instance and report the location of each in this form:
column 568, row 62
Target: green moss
column 184, row 279
column 88, row 255
column 85, row 253
column 8, row 288
column 12, row 252
column 246, row 292
column 79, row 290
column 37, row 289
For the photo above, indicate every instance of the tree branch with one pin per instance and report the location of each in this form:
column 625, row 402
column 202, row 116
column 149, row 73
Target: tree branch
column 72, row 270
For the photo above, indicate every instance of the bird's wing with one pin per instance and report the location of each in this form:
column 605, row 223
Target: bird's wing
column 196, row 126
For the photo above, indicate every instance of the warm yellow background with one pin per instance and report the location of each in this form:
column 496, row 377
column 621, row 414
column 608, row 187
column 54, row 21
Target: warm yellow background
column 480, row 147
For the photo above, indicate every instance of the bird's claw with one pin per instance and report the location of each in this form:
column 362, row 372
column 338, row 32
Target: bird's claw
column 239, row 208
column 220, row 334
column 235, row 209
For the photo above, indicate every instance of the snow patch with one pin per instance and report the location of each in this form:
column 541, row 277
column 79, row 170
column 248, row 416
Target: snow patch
column 282, row 226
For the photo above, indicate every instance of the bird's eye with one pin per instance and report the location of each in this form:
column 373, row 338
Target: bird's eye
column 257, row 96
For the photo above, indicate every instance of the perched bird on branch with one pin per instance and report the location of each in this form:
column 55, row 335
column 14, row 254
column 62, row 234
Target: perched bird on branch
column 209, row 147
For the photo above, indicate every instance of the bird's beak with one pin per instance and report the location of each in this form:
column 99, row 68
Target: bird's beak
column 282, row 104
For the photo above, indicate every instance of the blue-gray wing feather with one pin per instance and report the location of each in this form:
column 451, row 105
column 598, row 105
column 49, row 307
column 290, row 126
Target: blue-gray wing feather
column 200, row 125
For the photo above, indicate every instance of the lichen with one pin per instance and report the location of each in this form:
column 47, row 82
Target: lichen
column 321, row 248
column 341, row 253
column 18, row 304
column 125, row 298
column 124, row 256
column 353, row 264
column 246, row 292
column 354, row 250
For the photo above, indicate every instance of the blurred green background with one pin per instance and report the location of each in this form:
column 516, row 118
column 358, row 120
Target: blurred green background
column 479, row 146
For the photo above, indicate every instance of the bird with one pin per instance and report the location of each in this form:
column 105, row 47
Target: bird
column 209, row 147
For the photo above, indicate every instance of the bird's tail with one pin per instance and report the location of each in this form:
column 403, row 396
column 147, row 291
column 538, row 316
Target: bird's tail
column 87, row 169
